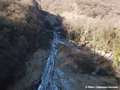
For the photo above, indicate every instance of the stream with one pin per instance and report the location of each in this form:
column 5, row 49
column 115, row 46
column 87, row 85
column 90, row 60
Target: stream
column 49, row 76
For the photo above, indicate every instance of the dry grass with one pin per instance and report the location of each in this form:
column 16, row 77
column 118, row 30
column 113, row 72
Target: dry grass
column 96, row 21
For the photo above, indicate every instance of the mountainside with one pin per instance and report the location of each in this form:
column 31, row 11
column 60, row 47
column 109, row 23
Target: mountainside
column 93, row 21
column 59, row 44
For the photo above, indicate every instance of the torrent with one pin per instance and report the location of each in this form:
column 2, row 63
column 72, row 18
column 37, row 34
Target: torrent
column 49, row 76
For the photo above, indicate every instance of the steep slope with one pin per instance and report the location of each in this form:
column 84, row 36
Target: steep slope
column 22, row 32
column 68, row 64
column 77, row 68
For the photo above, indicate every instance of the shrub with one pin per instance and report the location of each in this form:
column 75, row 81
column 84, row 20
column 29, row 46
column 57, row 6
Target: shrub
column 116, row 60
column 96, row 39
column 4, row 5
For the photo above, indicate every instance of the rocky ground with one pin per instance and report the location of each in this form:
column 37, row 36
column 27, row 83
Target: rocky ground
column 76, row 72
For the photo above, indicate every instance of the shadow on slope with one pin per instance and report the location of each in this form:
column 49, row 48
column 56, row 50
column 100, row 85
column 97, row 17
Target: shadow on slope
column 18, row 41
column 85, row 68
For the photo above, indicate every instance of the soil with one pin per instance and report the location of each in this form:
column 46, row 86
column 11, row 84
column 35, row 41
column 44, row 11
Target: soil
column 34, row 69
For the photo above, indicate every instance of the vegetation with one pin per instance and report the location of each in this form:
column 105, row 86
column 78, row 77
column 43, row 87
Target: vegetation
column 116, row 56
column 22, row 31
column 20, row 36
column 116, row 60
column 4, row 5
column 104, row 38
